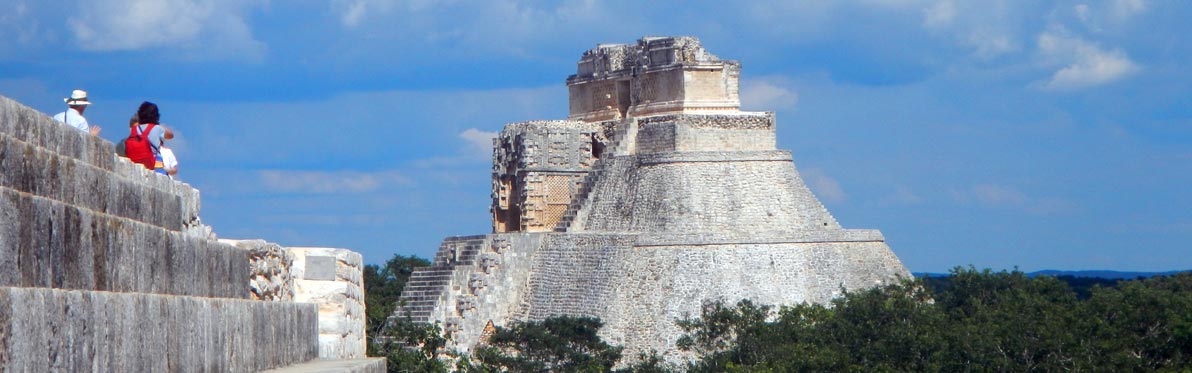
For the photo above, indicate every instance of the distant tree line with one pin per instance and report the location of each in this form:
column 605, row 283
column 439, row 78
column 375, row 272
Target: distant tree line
column 972, row 320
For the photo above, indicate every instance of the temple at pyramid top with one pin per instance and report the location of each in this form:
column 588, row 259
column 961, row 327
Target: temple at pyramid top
column 657, row 75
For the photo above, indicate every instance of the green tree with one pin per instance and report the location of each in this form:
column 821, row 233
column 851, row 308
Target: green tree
column 1141, row 325
column 411, row 347
column 557, row 344
column 972, row 321
column 383, row 286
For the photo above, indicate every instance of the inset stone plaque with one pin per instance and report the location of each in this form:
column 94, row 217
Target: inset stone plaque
column 321, row 268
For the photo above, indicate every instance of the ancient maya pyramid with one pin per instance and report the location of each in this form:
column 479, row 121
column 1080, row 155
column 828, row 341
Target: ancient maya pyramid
column 655, row 196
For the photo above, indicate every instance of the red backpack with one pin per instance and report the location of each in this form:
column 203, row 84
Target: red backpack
column 139, row 148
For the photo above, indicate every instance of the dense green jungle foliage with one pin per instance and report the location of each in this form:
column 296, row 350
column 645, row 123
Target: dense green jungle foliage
column 560, row 344
column 979, row 321
column 969, row 321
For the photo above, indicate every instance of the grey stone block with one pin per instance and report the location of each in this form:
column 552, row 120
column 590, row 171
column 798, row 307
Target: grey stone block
column 44, row 330
column 45, row 243
column 320, row 268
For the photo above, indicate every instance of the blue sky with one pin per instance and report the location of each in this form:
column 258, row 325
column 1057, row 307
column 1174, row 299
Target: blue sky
column 992, row 133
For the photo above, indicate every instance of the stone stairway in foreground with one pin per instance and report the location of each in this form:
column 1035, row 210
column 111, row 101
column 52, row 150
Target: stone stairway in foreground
column 104, row 266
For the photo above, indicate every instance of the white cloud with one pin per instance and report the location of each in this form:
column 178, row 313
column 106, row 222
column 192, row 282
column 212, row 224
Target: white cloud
column 480, row 142
column 997, row 195
column 1085, row 63
column 940, row 14
column 902, row 196
column 1082, row 12
column 768, row 93
column 352, row 12
column 328, row 182
column 479, row 147
column 1127, row 8
column 824, row 186
column 988, row 45
column 1108, row 15
column 1008, row 197
column 208, row 28
column 988, row 28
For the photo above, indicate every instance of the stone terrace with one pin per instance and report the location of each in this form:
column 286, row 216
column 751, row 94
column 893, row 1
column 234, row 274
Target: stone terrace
column 105, row 266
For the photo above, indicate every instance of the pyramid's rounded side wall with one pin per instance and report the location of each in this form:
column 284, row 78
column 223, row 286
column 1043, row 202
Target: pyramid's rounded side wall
column 701, row 196
column 667, row 283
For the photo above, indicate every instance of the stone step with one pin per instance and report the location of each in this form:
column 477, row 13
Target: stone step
column 51, row 330
column 432, row 277
column 44, row 173
column 49, row 244
column 434, row 282
column 430, row 270
column 366, row 365
column 421, row 288
column 424, row 291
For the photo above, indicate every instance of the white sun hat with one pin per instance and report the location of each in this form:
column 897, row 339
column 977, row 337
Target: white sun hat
column 78, row 97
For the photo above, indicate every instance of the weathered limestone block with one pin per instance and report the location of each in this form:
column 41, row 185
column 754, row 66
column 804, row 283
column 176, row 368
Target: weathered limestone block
column 45, row 243
column 369, row 365
column 43, row 173
column 269, row 269
column 49, row 330
column 333, row 279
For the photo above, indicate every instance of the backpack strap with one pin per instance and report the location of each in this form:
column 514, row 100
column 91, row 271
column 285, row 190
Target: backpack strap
column 148, row 130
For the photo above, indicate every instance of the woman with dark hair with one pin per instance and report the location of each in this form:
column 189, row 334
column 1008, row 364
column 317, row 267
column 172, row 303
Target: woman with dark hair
column 147, row 113
column 144, row 139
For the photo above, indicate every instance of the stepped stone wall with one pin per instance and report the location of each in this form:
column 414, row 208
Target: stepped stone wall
column 688, row 202
column 52, row 330
column 106, row 266
column 691, row 133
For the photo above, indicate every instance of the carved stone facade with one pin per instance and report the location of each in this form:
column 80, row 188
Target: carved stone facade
column 657, row 75
column 537, row 169
column 656, row 196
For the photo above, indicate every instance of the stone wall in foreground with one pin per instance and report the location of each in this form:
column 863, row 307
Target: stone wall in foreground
column 53, row 330
column 106, row 266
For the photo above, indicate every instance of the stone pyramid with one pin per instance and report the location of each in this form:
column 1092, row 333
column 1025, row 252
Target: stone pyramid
column 656, row 196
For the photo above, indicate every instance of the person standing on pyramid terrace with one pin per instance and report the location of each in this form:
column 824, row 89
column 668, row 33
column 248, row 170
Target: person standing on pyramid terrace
column 73, row 116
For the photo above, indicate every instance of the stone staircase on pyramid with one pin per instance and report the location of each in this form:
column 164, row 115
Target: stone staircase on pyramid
column 428, row 286
column 621, row 144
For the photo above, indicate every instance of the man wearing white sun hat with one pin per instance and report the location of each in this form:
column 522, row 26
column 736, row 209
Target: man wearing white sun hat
column 73, row 116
